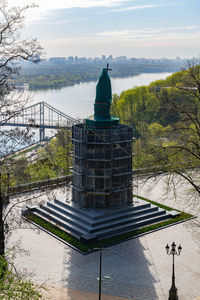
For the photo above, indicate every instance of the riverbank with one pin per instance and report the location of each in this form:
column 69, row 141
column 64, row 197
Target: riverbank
column 47, row 75
column 77, row 100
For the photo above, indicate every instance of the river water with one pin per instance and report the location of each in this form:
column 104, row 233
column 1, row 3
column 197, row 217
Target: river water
column 77, row 100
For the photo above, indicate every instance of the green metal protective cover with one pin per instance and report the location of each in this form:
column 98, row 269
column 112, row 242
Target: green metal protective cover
column 103, row 97
column 102, row 117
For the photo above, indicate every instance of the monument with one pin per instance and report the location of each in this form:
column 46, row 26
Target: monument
column 102, row 156
column 101, row 204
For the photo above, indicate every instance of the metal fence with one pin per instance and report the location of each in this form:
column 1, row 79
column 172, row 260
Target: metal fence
column 37, row 185
column 59, row 181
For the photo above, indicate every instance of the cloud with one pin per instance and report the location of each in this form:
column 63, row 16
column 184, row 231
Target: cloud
column 133, row 8
column 63, row 22
column 46, row 7
column 150, row 32
column 67, row 4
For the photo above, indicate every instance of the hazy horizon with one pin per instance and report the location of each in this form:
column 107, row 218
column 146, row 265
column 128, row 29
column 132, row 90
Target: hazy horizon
column 134, row 28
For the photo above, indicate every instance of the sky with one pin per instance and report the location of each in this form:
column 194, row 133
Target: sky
column 135, row 28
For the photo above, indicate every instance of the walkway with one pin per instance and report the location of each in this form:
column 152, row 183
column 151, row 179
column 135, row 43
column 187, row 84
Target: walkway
column 139, row 268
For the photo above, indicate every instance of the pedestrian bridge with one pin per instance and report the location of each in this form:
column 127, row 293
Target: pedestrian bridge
column 42, row 116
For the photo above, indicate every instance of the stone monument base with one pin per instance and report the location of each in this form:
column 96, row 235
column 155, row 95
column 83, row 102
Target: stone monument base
column 90, row 225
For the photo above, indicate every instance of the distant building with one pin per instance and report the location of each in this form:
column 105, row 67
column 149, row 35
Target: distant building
column 76, row 59
column 110, row 58
column 57, row 60
column 134, row 59
column 82, row 59
column 121, row 58
column 70, row 59
column 103, row 58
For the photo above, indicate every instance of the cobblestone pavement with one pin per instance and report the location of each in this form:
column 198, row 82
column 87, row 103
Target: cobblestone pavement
column 139, row 268
column 57, row 293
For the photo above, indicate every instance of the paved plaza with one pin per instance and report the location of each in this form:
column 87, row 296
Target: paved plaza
column 138, row 268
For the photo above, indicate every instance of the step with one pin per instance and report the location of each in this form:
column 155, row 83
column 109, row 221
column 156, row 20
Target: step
column 64, row 226
column 102, row 216
column 65, row 218
column 111, row 225
column 92, row 222
column 124, row 215
column 71, row 220
column 130, row 227
column 128, row 220
column 70, row 212
column 116, row 222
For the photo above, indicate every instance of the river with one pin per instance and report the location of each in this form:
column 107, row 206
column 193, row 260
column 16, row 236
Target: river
column 77, row 100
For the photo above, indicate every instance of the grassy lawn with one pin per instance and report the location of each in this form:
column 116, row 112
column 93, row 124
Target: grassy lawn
column 110, row 241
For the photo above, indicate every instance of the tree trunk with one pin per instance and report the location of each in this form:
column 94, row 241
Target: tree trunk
column 2, row 236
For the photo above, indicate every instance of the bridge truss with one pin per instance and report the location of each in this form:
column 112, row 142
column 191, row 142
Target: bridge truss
column 42, row 116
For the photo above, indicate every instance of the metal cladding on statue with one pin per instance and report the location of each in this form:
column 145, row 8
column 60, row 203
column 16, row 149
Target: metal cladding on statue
column 103, row 97
column 102, row 117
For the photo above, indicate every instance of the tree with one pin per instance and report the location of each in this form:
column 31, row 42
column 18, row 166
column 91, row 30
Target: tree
column 136, row 107
column 13, row 50
column 180, row 151
column 14, row 285
column 54, row 159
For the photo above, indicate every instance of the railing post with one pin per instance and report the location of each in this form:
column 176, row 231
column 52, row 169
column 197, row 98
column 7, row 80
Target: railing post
column 42, row 129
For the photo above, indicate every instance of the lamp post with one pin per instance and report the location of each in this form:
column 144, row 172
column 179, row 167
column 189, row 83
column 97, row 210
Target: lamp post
column 173, row 292
column 100, row 268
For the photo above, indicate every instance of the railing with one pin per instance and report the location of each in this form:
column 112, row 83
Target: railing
column 59, row 181
column 37, row 185
column 150, row 170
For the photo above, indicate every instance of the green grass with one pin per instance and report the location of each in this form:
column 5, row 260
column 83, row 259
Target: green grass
column 110, row 241
column 57, row 231
column 155, row 203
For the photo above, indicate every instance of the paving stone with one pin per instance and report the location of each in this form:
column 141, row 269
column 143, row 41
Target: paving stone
column 139, row 268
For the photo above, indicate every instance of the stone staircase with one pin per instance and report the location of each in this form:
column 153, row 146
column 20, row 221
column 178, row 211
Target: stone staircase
column 91, row 224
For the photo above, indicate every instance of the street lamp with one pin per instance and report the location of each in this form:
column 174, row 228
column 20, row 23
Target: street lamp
column 173, row 292
column 100, row 267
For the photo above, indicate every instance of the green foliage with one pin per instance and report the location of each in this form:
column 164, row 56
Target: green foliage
column 18, row 171
column 52, row 161
column 155, row 129
column 14, row 286
column 150, row 104
column 3, row 180
column 114, row 109
column 141, row 159
column 40, row 170
column 136, row 105
column 165, row 117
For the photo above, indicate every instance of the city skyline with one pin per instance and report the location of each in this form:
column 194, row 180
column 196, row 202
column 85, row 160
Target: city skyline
column 132, row 28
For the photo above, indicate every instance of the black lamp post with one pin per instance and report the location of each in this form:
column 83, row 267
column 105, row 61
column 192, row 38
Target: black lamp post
column 100, row 268
column 173, row 292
